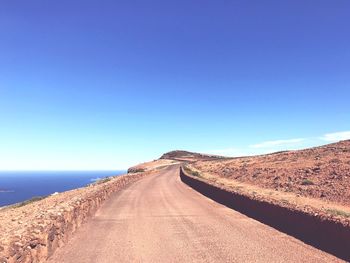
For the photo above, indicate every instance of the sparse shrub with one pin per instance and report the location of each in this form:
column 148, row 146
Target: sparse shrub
column 186, row 169
column 337, row 212
column 136, row 170
column 191, row 172
column 195, row 173
column 103, row 180
column 307, row 182
column 29, row 201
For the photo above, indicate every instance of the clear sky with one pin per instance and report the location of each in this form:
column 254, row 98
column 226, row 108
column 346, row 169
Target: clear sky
column 107, row 84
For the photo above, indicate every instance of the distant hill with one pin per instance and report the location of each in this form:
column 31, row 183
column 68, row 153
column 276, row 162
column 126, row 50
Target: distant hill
column 180, row 155
column 320, row 172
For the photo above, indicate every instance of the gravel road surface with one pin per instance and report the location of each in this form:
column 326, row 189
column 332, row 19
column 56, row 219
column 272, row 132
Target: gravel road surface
column 160, row 219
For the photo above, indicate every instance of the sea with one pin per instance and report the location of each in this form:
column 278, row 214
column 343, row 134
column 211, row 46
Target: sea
column 17, row 187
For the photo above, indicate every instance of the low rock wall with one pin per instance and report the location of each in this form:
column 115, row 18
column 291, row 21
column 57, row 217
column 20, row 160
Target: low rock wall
column 327, row 235
column 33, row 232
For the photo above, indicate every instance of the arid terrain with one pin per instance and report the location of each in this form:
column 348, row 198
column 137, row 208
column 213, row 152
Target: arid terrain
column 161, row 219
column 153, row 165
column 32, row 230
column 320, row 172
column 314, row 180
column 150, row 213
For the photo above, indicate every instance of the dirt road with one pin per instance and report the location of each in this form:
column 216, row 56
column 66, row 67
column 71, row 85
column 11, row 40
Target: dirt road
column 160, row 219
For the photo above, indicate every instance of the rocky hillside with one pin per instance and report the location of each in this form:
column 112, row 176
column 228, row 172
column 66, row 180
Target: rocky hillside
column 321, row 172
column 188, row 156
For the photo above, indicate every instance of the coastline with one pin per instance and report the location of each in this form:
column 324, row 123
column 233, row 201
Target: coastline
column 35, row 230
column 16, row 187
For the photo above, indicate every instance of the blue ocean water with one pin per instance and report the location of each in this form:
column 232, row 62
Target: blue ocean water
column 19, row 186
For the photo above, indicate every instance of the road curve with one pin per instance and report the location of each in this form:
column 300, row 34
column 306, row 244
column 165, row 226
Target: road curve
column 160, row 219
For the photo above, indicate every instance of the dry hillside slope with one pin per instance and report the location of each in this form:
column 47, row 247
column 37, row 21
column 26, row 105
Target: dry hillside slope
column 321, row 172
column 186, row 156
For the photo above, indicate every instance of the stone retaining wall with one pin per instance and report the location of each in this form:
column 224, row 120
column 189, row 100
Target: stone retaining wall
column 332, row 237
column 33, row 232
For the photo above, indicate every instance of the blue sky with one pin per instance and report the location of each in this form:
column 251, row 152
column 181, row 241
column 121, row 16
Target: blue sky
column 107, row 84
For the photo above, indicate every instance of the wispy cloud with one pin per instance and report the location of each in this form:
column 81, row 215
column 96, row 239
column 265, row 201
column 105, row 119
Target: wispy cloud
column 260, row 148
column 278, row 143
column 336, row 136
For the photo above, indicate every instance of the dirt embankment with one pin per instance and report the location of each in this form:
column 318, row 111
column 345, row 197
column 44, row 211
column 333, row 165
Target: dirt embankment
column 32, row 232
column 321, row 173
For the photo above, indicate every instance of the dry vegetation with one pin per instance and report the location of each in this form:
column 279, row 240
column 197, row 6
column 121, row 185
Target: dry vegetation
column 315, row 180
column 321, row 172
